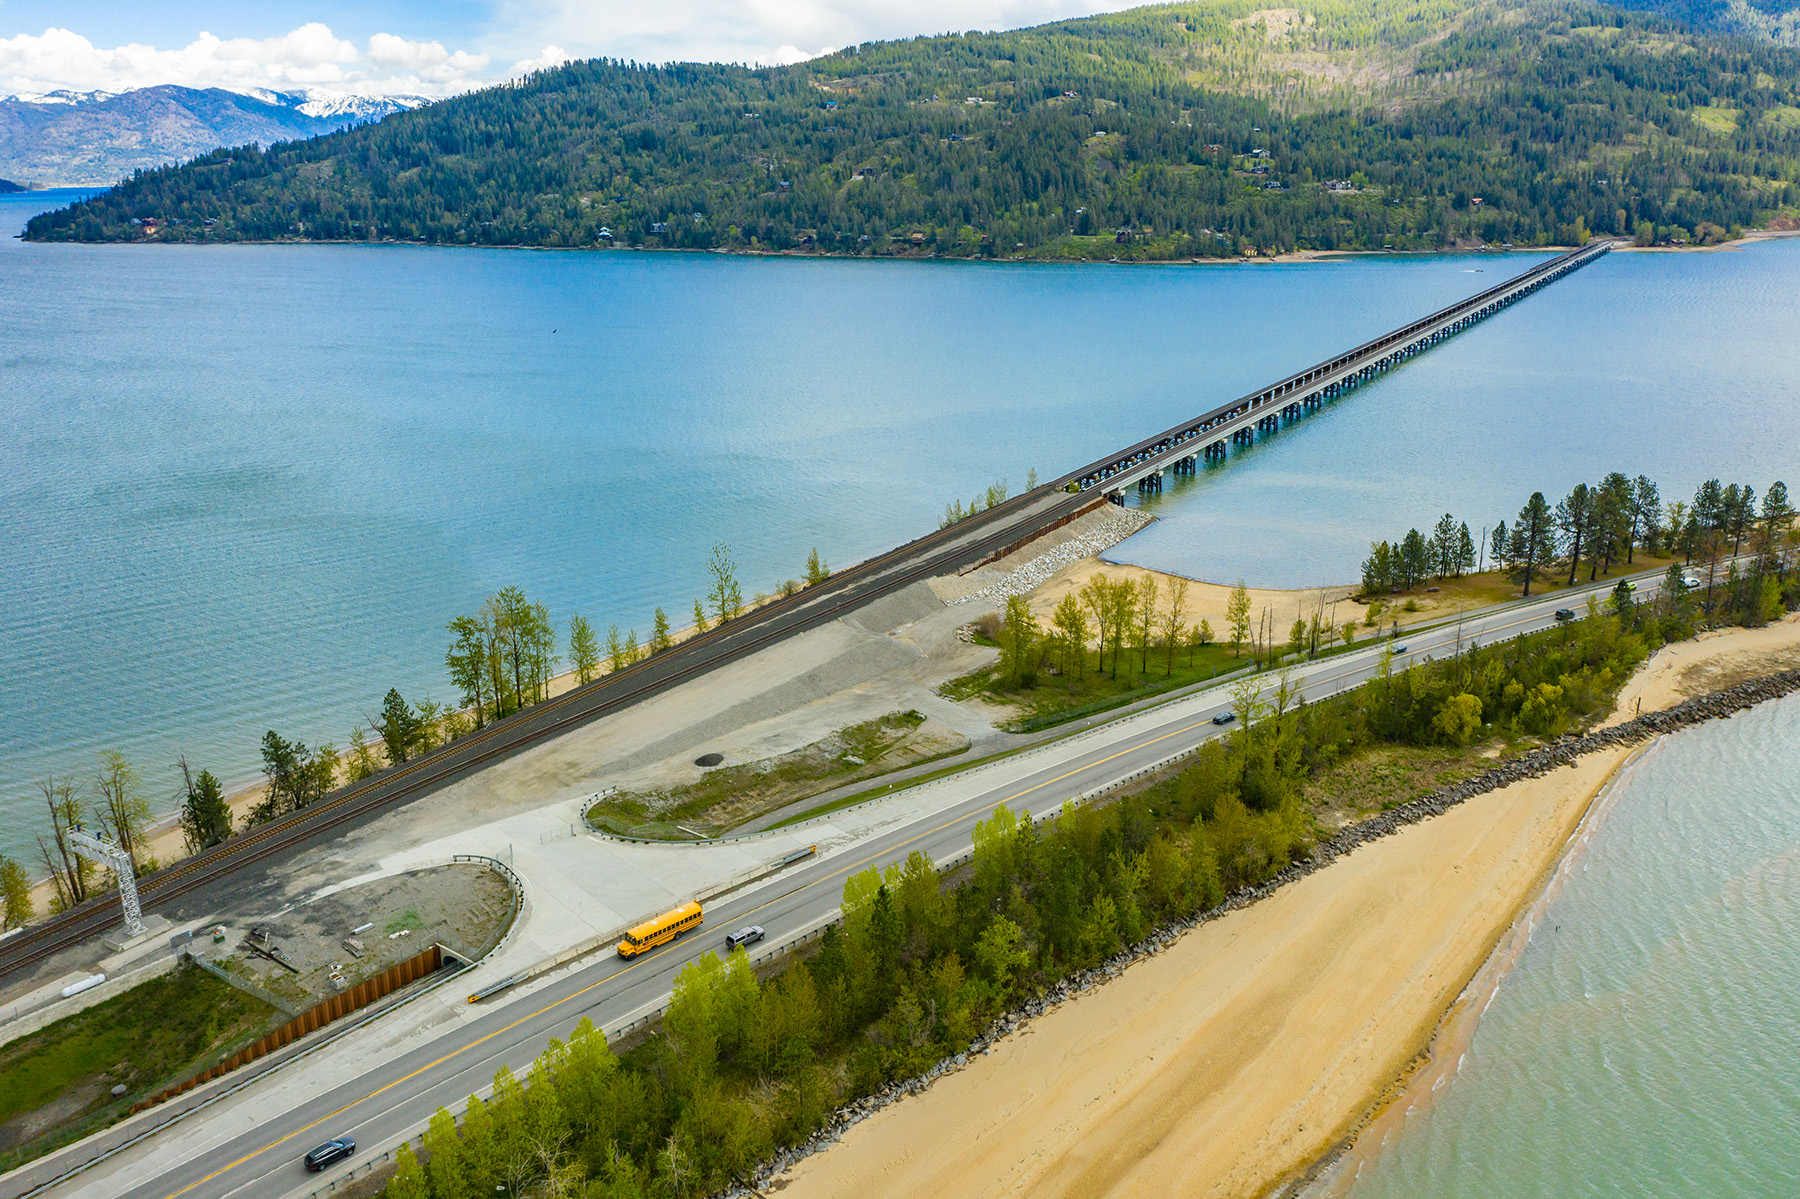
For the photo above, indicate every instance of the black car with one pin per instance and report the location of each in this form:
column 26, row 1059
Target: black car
column 1565, row 615
column 1225, row 718
column 331, row 1151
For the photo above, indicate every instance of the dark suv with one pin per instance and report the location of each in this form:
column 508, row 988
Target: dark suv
column 330, row 1151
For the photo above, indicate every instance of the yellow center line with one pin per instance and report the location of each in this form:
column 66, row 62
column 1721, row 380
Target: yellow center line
column 840, row 872
column 414, row 1074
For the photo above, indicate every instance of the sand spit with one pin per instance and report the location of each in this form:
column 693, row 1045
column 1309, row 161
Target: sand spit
column 1232, row 1057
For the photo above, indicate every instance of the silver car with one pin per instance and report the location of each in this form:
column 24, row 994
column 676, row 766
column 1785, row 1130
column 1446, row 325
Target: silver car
column 750, row 934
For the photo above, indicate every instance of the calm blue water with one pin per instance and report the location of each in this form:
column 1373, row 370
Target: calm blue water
column 1680, row 366
column 1646, row 1044
column 244, row 487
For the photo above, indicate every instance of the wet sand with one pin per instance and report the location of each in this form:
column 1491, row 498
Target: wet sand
column 1260, row 1041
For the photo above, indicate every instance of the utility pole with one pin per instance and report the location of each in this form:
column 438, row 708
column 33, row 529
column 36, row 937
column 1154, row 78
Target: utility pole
column 107, row 854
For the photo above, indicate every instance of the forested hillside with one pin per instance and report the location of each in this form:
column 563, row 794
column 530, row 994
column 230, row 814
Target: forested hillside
column 1775, row 20
column 1173, row 131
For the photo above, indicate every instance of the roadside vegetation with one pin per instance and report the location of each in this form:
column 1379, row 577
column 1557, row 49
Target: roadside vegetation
column 56, row 1084
column 1122, row 639
column 728, row 796
column 923, row 962
column 1118, row 640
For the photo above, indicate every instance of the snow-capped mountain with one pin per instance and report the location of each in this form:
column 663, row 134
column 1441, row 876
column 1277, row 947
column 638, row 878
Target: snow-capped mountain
column 95, row 138
column 330, row 106
column 60, row 97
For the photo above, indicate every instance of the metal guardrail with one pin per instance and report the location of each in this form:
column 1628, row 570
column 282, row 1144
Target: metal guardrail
column 606, row 940
column 1348, row 369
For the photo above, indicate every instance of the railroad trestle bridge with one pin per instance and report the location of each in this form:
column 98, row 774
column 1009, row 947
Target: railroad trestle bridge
column 1210, row 436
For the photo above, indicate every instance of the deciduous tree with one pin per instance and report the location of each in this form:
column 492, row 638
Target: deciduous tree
column 584, row 649
column 15, row 893
column 1173, row 622
column 467, row 663
column 71, row 875
column 1071, row 625
column 1019, row 636
column 1237, row 616
column 726, row 595
column 124, row 812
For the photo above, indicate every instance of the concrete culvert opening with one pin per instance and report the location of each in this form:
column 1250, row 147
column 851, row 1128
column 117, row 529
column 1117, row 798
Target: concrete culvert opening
column 709, row 759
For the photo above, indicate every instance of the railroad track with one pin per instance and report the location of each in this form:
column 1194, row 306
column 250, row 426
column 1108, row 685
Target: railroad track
column 945, row 549
column 985, row 534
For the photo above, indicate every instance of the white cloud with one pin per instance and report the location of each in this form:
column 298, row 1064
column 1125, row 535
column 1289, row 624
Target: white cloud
column 549, row 56
column 313, row 58
column 763, row 31
column 310, row 57
column 428, row 60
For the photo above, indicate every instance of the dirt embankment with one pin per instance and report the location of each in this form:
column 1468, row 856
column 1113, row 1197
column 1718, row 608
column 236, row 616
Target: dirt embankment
column 1256, row 1042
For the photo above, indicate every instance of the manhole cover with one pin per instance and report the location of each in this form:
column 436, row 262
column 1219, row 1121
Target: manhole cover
column 709, row 759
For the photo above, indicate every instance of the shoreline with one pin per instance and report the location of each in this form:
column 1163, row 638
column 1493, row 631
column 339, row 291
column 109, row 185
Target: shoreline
column 1186, row 1066
column 1288, row 257
column 1387, row 1115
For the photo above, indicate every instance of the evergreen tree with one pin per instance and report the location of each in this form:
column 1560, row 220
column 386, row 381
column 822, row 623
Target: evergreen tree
column 205, row 816
column 1646, row 508
column 398, row 727
column 1447, row 545
column 1574, row 518
column 1532, row 544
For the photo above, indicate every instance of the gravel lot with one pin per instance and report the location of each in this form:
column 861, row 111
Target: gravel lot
column 467, row 907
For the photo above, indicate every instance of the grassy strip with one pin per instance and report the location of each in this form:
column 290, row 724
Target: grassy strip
column 729, row 796
column 56, row 1084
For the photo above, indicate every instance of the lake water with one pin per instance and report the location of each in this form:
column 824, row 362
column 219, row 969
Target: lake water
column 244, row 487
column 1646, row 1044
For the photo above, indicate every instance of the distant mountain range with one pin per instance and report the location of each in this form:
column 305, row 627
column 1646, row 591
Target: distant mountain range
column 95, row 139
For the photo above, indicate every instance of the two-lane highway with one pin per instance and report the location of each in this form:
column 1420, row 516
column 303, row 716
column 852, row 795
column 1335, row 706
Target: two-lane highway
column 980, row 536
column 251, row 1144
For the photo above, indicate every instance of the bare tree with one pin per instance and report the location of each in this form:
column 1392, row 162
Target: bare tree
column 70, row 874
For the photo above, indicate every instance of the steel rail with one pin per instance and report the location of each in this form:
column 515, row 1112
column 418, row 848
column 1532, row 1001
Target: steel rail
column 719, row 646
column 1007, row 523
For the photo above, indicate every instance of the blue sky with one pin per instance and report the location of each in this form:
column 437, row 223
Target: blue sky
column 445, row 46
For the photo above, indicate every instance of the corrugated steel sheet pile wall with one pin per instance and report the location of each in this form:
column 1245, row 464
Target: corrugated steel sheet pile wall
column 312, row 1019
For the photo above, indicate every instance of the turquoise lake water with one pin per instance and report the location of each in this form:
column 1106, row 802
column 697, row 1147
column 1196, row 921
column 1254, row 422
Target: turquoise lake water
column 1647, row 1043
column 244, row 487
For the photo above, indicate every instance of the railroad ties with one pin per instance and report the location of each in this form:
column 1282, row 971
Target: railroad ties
column 1240, row 422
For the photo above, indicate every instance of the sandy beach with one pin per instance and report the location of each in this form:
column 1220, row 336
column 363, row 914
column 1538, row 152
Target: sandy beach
column 1262, row 1040
column 1206, row 601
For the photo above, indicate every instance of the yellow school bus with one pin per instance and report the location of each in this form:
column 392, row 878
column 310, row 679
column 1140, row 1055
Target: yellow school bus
column 666, row 927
